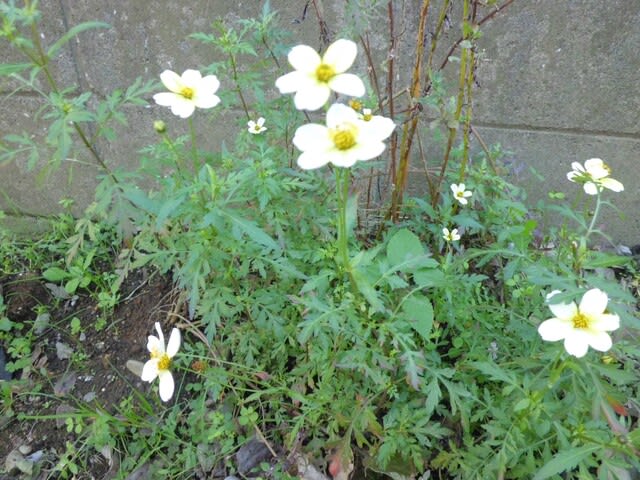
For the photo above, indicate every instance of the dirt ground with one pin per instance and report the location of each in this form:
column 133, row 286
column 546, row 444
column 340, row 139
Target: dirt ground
column 87, row 366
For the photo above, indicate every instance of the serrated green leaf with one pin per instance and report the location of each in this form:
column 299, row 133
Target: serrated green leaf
column 564, row 461
column 418, row 313
column 367, row 290
column 253, row 231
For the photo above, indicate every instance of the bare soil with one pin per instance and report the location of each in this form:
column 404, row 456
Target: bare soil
column 95, row 374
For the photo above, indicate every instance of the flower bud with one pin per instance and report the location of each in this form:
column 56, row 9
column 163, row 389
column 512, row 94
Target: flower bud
column 159, row 126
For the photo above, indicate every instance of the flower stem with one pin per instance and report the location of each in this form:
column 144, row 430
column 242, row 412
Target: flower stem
column 194, row 147
column 590, row 230
column 343, row 177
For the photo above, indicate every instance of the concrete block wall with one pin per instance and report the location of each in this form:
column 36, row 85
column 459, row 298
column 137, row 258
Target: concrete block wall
column 559, row 82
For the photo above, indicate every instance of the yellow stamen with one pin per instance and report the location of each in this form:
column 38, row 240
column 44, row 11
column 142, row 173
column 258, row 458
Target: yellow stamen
column 580, row 321
column 343, row 137
column 187, row 92
column 164, row 362
column 367, row 116
column 356, row 105
column 325, row 72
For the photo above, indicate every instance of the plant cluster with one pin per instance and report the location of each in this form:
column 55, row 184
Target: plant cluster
column 413, row 349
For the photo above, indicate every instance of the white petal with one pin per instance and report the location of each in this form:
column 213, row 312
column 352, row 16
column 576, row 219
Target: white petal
column 183, row 108
column 260, row 122
column 594, row 165
column 340, row 55
column 612, row 184
column 339, row 114
column 174, row 343
column 564, row 311
column 312, row 160
column 554, row 329
column 577, row 167
column 462, row 200
column 160, row 334
column 367, row 150
column 191, row 78
column 600, row 341
column 304, row 58
column 166, row 99
column 150, row 370
column 577, row 343
column 166, row 385
column 342, row 158
column 607, row 322
column 312, row 96
column 347, row 84
column 154, row 344
column 290, row 82
column 572, row 176
column 380, row 127
column 312, row 137
column 591, row 188
column 206, row 100
column 210, row 83
column 593, row 302
column 171, row 80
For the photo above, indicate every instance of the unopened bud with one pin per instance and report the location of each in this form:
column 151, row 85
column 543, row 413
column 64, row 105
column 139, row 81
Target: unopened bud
column 159, row 126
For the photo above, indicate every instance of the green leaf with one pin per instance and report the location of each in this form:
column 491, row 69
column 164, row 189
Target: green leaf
column 72, row 33
column 418, row 312
column 11, row 68
column 367, row 290
column 252, row 230
column 564, row 461
column 403, row 245
column 406, row 253
column 55, row 274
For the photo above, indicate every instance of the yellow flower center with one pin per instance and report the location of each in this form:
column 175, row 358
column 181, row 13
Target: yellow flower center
column 356, row 105
column 460, row 194
column 325, row 72
column 580, row 321
column 187, row 93
column 257, row 127
column 607, row 168
column 367, row 116
column 344, row 137
column 164, row 362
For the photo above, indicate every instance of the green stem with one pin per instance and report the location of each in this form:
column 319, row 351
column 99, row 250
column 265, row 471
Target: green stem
column 343, row 176
column 194, row 147
column 591, row 229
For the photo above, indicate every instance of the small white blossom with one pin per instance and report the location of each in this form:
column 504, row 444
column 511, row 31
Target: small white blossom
column 450, row 236
column 345, row 139
column 160, row 362
column 460, row 194
column 315, row 77
column 594, row 176
column 256, row 128
column 581, row 327
column 187, row 91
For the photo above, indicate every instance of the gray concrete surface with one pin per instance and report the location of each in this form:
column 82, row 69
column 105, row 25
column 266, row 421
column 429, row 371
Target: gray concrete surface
column 558, row 82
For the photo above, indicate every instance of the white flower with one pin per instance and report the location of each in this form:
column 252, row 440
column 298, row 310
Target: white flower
column 187, row 92
column 345, row 140
column 158, row 365
column 460, row 194
column 594, row 176
column 256, row 127
column 580, row 327
column 450, row 236
column 314, row 76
